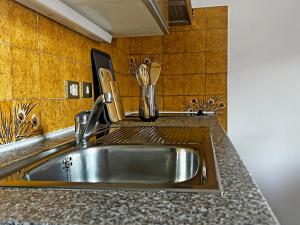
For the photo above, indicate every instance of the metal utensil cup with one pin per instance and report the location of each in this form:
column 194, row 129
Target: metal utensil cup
column 148, row 107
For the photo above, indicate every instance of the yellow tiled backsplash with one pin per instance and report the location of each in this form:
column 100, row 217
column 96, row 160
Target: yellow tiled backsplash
column 193, row 59
column 37, row 55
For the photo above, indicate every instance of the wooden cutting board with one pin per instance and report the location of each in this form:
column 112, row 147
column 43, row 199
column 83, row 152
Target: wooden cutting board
column 115, row 109
column 117, row 99
column 105, row 79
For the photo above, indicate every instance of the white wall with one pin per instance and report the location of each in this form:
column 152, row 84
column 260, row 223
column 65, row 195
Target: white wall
column 264, row 97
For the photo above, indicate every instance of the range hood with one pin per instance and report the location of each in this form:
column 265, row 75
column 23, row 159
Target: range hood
column 180, row 12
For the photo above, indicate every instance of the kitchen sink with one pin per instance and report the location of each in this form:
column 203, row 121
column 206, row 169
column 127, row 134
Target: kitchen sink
column 131, row 158
column 119, row 164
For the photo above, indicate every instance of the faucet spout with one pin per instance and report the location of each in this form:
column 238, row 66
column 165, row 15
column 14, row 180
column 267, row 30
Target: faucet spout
column 86, row 121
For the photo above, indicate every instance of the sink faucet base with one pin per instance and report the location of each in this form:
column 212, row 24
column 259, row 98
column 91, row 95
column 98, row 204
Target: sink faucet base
column 86, row 121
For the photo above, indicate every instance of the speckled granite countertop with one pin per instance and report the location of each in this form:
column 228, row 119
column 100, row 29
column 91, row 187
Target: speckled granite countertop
column 241, row 203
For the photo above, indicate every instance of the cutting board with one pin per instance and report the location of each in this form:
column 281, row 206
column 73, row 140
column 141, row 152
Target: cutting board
column 117, row 99
column 108, row 85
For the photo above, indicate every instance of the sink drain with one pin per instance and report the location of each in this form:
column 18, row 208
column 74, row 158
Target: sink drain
column 66, row 166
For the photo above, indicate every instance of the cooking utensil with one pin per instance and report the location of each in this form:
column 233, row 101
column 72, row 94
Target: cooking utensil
column 143, row 73
column 154, row 72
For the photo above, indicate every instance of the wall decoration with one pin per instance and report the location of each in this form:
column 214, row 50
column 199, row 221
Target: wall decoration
column 6, row 128
column 21, row 124
column 210, row 104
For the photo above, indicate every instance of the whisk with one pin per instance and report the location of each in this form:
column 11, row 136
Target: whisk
column 142, row 75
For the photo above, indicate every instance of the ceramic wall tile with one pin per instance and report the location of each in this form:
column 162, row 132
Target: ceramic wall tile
column 51, row 115
column 70, row 70
column 122, row 43
column 134, row 86
column 216, row 17
column 104, row 47
column 70, row 108
column 223, row 121
column 116, row 57
column 172, row 64
column 28, row 114
column 173, row 42
column 93, row 44
column 194, row 41
column 160, row 100
column 6, row 134
column 84, row 72
column 152, row 45
column 173, row 103
column 134, row 104
column 136, row 46
column 173, row 85
column 84, row 50
column 216, row 40
column 51, row 79
column 22, row 26
column 160, row 86
column 216, row 62
column 198, row 21
column 175, row 28
column 124, row 69
column 5, row 72
column 4, row 22
column 25, row 73
column 194, row 63
column 224, row 99
column 5, row 106
column 21, row 120
column 67, row 42
column 123, row 84
column 192, row 97
column 126, row 104
column 194, row 84
column 85, row 104
column 49, row 37
column 216, row 84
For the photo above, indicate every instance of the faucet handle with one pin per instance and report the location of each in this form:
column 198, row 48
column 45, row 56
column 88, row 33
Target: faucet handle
column 80, row 123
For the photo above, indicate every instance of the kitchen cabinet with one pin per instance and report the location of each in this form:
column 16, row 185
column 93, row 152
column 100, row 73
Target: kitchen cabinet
column 102, row 20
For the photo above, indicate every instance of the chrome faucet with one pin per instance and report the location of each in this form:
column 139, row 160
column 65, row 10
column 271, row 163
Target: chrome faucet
column 86, row 121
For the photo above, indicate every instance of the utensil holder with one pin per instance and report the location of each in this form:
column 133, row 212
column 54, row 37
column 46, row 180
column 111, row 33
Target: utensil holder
column 148, row 108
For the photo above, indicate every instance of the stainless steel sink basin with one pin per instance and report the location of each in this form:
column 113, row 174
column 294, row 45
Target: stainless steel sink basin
column 132, row 158
column 119, row 164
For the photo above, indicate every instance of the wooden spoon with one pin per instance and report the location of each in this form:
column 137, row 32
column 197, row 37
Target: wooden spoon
column 154, row 72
